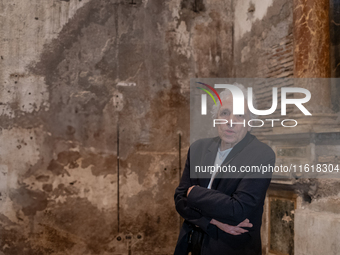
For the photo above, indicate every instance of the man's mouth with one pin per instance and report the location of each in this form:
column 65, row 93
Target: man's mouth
column 229, row 132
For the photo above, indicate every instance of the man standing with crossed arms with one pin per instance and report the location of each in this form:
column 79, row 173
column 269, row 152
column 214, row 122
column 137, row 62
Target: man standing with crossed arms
column 223, row 216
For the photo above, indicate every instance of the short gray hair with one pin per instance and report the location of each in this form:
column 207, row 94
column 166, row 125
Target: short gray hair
column 226, row 93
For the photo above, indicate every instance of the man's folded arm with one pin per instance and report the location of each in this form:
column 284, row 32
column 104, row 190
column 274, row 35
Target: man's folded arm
column 193, row 215
column 249, row 194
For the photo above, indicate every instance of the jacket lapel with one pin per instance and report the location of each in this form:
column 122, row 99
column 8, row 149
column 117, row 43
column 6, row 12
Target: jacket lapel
column 209, row 159
column 237, row 148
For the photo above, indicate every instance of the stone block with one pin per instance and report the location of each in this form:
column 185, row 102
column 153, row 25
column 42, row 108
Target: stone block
column 316, row 233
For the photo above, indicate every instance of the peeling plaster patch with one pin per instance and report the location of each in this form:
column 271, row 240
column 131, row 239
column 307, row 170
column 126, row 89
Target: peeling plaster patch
column 245, row 54
column 3, row 182
column 96, row 80
column 275, row 33
column 107, row 46
column 132, row 185
column 12, row 212
column 84, row 96
column 183, row 40
column 21, row 94
column 174, row 8
column 135, row 181
column 117, row 101
column 327, row 204
column 101, row 191
column 27, row 28
column 31, row 35
column 126, row 84
column 244, row 21
column 145, row 3
column 18, row 151
column 286, row 218
column 79, row 182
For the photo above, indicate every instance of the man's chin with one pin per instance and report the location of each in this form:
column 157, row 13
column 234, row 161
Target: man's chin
column 229, row 138
column 230, row 142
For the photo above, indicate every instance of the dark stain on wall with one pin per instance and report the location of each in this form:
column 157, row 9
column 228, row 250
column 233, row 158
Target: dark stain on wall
column 193, row 5
column 282, row 226
column 68, row 209
column 30, row 201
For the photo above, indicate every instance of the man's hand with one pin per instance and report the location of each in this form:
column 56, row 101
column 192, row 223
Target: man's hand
column 233, row 230
column 190, row 190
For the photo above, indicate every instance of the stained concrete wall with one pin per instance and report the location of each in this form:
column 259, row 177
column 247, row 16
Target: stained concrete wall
column 70, row 72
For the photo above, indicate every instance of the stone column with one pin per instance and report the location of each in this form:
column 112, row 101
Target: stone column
column 312, row 50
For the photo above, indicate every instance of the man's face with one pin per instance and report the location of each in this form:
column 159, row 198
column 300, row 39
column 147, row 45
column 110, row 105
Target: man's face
column 231, row 135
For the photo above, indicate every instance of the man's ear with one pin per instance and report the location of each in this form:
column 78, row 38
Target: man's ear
column 248, row 118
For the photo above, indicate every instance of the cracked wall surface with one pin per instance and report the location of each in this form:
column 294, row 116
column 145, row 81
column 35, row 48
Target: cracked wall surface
column 94, row 101
column 78, row 77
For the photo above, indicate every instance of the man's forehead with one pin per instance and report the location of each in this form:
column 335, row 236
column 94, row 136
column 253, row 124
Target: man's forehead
column 227, row 104
column 225, row 107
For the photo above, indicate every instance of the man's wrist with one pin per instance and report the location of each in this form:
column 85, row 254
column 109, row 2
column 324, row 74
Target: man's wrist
column 213, row 221
column 189, row 190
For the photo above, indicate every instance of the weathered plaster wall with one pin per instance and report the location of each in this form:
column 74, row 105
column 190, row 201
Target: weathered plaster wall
column 263, row 44
column 70, row 72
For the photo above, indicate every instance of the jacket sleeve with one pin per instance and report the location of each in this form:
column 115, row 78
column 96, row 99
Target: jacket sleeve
column 250, row 194
column 193, row 215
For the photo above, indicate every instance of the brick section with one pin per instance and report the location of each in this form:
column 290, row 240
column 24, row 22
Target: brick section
column 278, row 61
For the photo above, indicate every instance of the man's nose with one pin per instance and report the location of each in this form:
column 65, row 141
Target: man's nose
column 230, row 119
